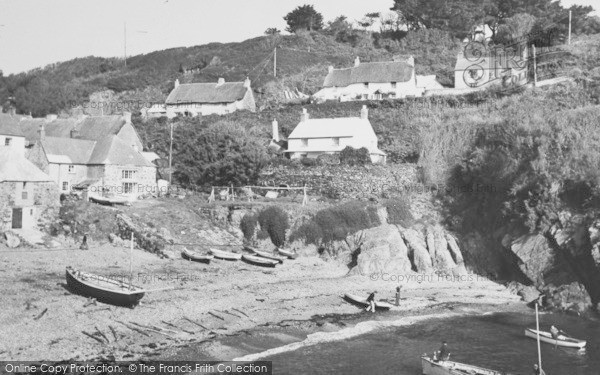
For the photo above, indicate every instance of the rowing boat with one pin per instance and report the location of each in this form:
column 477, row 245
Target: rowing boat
column 287, row 253
column 259, row 261
column 103, row 289
column 431, row 367
column 562, row 340
column 196, row 257
column 266, row 255
column 226, row 255
column 352, row 298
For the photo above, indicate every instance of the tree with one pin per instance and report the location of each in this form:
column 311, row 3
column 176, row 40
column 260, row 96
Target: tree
column 304, row 17
column 272, row 31
column 340, row 29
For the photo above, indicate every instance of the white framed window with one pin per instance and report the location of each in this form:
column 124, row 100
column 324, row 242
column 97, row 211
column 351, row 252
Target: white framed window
column 304, row 142
column 71, row 169
column 128, row 187
column 393, row 85
column 127, row 174
column 24, row 194
column 65, row 186
column 335, row 141
column 366, row 84
column 7, row 141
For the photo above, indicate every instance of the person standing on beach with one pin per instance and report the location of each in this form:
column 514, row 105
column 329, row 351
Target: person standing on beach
column 84, row 245
column 537, row 370
column 371, row 301
column 398, row 288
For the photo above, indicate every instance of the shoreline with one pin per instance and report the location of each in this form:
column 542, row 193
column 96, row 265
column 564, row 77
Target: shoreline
column 208, row 305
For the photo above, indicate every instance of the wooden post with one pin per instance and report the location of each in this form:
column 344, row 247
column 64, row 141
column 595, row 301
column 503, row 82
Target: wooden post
column 171, row 157
column 305, row 198
column 569, row 27
column 537, row 327
column 131, row 262
column 232, row 193
column 211, row 197
column 275, row 62
column 534, row 67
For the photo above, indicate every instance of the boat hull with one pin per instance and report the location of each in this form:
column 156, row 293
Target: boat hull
column 113, row 297
column 190, row 255
column 547, row 338
column 225, row 255
column 265, row 255
column 430, row 367
column 360, row 301
column 259, row 261
column 287, row 253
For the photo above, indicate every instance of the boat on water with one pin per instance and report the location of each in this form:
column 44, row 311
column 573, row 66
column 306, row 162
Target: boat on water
column 562, row 340
column 352, row 298
column 265, row 254
column 226, row 255
column 287, row 253
column 431, row 367
column 259, row 261
column 196, row 257
column 103, row 289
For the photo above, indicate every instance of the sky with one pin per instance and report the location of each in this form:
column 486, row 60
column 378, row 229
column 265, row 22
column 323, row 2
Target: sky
column 34, row 33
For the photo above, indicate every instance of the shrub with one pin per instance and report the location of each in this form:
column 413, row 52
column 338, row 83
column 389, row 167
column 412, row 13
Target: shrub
column 352, row 156
column 248, row 225
column 274, row 221
column 399, row 211
column 309, row 162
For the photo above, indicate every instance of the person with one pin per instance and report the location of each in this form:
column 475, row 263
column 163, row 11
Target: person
column 537, row 370
column 398, row 288
column 84, row 245
column 371, row 301
column 444, row 353
column 554, row 332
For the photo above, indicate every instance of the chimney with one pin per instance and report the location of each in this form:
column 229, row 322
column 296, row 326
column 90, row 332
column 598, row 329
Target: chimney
column 411, row 61
column 364, row 113
column 304, row 115
column 247, row 83
column 42, row 132
column 50, row 118
column 176, row 83
column 74, row 133
column 357, row 61
column 275, row 130
column 330, row 69
column 127, row 117
column 220, row 82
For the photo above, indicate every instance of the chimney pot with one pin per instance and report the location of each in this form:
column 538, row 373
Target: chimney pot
column 304, row 115
column 364, row 112
column 176, row 83
column 275, row 130
column 247, row 83
column 42, row 132
column 74, row 133
column 330, row 69
column 127, row 117
column 220, row 81
column 357, row 61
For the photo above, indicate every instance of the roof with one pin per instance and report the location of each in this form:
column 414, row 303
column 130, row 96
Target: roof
column 67, row 150
column 227, row 92
column 333, row 127
column 97, row 127
column 373, row 72
column 428, row 82
column 91, row 128
column 15, row 167
column 10, row 126
column 157, row 108
column 113, row 150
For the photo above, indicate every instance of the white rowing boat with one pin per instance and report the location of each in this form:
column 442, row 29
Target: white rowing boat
column 562, row 340
column 226, row 255
column 431, row 367
column 287, row 253
column 259, row 261
column 363, row 301
column 265, row 254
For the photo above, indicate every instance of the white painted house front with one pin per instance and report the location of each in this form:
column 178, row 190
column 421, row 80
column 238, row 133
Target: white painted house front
column 220, row 98
column 370, row 81
column 314, row 137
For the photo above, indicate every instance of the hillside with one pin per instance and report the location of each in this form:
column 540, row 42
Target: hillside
column 302, row 61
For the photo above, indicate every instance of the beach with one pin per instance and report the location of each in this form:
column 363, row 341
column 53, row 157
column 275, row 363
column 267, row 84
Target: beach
column 199, row 304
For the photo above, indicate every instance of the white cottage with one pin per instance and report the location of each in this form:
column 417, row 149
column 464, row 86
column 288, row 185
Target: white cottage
column 370, row 81
column 314, row 137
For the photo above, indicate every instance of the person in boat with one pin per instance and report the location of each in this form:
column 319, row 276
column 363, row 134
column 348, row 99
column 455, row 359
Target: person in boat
column 537, row 370
column 371, row 301
column 555, row 332
column 444, row 353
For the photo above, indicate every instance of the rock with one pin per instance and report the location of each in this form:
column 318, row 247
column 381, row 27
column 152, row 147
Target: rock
column 527, row 293
column 535, row 256
column 383, row 251
column 271, row 194
column 455, row 250
column 418, row 249
column 12, row 240
column 382, row 214
column 441, row 257
column 569, row 297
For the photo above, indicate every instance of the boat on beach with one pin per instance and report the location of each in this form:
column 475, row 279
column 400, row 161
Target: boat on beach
column 562, row 340
column 431, row 367
column 109, row 201
column 265, row 254
column 103, row 289
column 196, row 257
column 287, row 253
column 226, row 255
column 259, row 261
column 352, row 298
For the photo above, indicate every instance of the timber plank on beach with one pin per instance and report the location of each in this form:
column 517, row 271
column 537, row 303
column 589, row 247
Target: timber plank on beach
column 241, row 312
column 133, row 328
column 194, row 322
column 179, row 328
column 215, row 315
column 94, row 337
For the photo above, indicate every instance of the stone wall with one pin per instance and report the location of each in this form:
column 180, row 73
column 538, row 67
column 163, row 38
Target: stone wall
column 45, row 202
column 344, row 182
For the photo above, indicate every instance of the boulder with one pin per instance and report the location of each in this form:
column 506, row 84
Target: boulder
column 528, row 293
column 417, row 249
column 568, row 297
column 438, row 249
column 535, row 256
column 383, row 251
column 12, row 240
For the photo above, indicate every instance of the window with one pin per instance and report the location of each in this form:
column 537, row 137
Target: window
column 24, row 194
column 335, row 141
column 304, row 142
column 65, row 186
column 71, row 169
column 128, row 187
column 393, row 85
column 7, row 141
column 127, row 174
column 366, row 85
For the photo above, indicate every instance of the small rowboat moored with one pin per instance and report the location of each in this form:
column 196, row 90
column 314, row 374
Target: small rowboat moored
column 196, row 257
column 259, row 261
column 265, row 254
column 287, row 253
column 352, row 298
column 431, row 367
column 562, row 340
column 226, row 255
column 103, row 289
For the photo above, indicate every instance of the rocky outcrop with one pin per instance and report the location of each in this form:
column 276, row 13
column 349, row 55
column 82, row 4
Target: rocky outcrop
column 438, row 249
column 417, row 250
column 383, row 250
column 144, row 237
column 569, row 297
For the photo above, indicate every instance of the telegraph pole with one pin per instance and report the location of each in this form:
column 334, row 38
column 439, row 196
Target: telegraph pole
column 534, row 67
column 171, row 157
column 275, row 62
column 569, row 27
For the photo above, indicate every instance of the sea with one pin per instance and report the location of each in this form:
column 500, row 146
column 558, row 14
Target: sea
column 493, row 340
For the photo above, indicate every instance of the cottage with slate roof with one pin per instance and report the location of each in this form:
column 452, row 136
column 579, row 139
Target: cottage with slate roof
column 193, row 99
column 28, row 195
column 314, row 137
column 371, row 81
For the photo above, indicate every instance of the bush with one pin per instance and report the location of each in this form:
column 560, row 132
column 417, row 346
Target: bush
column 248, row 225
column 399, row 211
column 274, row 221
column 309, row 162
column 352, row 156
